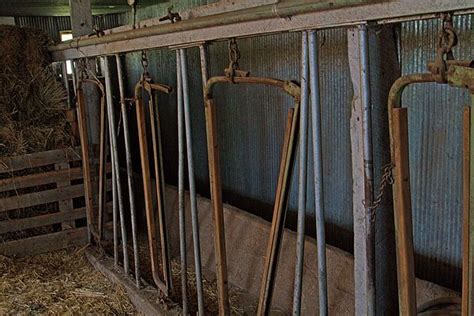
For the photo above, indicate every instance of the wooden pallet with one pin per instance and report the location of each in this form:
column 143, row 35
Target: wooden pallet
column 63, row 189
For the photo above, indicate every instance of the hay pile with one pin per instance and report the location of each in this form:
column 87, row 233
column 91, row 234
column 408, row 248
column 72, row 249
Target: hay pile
column 32, row 100
column 58, row 283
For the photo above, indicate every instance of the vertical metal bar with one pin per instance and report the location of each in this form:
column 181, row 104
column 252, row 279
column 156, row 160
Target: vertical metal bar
column 466, row 290
column 191, row 180
column 318, row 170
column 181, row 204
column 368, row 164
column 301, row 176
column 128, row 157
column 74, row 76
column 115, row 159
column 403, row 214
column 102, row 168
column 114, row 211
column 66, row 83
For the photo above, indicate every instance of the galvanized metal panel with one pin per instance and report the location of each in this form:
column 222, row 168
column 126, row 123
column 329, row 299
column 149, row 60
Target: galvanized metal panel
column 435, row 126
column 251, row 123
column 53, row 25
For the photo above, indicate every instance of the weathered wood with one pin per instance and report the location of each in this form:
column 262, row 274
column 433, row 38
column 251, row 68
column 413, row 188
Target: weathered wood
column 466, row 210
column 7, row 226
column 42, row 197
column 44, row 158
column 218, row 211
column 44, row 243
column 86, row 168
column 279, row 212
column 67, row 204
column 403, row 214
column 37, row 179
column 141, row 298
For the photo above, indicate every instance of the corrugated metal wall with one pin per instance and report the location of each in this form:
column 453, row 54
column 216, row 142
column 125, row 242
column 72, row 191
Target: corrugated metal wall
column 54, row 25
column 435, row 125
column 251, row 123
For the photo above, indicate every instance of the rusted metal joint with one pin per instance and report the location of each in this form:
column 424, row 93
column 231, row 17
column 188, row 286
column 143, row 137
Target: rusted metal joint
column 462, row 76
column 171, row 16
column 231, row 73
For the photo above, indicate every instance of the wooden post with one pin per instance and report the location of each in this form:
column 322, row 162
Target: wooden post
column 216, row 201
column 403, row 214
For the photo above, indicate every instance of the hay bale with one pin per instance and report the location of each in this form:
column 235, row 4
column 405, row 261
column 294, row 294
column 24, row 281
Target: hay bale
column 32, row 99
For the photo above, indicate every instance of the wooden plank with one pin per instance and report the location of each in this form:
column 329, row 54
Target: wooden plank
column 142, row 298
column 67, row 204
column 36, row 179
column 403, row 214
column 43, row 197
column 45, row 243
column 218, row 211
column 466, row 210
column 7, row 226
column 16, row 163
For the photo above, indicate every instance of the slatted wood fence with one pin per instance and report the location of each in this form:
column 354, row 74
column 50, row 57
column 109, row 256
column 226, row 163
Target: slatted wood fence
column 38, row 191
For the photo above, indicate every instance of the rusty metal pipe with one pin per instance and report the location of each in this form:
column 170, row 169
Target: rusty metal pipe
column 288, row 86
column 401, row 193
column 281, row 200
column 165, row 285
column 83, row 135
column 282, row 9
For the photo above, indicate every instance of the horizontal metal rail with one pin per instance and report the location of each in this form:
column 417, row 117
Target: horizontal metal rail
column 269, row 19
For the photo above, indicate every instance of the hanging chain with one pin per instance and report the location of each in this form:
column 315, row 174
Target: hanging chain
column 234, row 56
column 82, row 68
column 387, row 179
column 145, row 75
column 446, row 41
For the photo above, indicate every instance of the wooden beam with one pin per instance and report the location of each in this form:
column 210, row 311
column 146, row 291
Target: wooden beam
column 141, row 298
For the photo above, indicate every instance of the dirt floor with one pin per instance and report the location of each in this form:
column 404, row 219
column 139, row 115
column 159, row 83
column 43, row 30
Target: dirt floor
column 62, row 282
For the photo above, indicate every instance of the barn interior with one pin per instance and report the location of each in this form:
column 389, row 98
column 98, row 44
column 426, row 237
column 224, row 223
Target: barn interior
column 237, row 157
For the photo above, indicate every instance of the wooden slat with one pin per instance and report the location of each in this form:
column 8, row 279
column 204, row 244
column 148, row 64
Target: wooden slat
column 43, row 197
column 45, row 243
column 8, row 226
column 16, row 163
column 67, row 204
column 36, row 179
column 403, row 214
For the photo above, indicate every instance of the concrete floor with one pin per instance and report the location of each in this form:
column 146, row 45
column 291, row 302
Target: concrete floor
column 246, row 241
